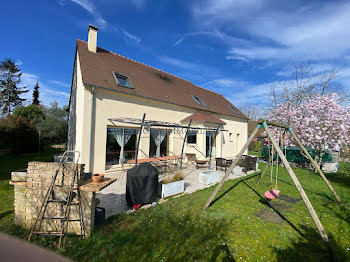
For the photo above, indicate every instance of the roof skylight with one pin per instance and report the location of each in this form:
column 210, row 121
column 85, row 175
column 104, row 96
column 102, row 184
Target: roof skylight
column 122, row 80
column 198, row 100
column 234, row 110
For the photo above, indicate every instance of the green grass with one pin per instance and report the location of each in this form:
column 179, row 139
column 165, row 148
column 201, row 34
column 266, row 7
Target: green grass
column 253, row 153
column 229, row 230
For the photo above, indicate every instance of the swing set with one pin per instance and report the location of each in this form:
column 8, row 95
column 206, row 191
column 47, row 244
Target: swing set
column 273, row 193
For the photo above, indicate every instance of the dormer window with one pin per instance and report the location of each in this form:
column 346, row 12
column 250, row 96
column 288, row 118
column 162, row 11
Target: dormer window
column 234, row 110
column 198, row 100
column 122, row 80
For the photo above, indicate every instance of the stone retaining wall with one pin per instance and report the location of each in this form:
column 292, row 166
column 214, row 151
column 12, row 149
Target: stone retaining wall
column 31, row 187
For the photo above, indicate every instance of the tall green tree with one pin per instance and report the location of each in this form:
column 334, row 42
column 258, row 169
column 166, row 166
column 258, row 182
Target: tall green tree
column 33, row 113
column 10, row 92
column 36, row 100
column 54, row 125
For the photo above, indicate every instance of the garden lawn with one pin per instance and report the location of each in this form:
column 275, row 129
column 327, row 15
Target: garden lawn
column 229, row 230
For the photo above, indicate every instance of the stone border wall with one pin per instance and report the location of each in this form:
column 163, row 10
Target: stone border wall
column 30, row 188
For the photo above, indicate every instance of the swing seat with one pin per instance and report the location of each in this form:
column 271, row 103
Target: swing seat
column 272, row 194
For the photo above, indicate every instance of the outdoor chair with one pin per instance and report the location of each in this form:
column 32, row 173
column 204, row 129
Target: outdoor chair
column 248, row 163
column 222, row 162
column 201, row 163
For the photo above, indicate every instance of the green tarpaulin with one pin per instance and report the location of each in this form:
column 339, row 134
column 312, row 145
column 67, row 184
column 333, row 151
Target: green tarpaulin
column 294, row 154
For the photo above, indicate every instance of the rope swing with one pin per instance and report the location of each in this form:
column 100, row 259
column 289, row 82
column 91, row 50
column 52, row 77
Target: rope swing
column 274, row 192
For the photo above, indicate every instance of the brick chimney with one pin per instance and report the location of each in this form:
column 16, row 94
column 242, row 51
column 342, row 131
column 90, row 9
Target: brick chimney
column 92, row 38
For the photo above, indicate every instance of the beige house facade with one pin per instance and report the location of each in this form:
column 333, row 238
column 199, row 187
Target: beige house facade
column 107, row 86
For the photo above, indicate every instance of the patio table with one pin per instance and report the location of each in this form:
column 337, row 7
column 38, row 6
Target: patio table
column 153, row 159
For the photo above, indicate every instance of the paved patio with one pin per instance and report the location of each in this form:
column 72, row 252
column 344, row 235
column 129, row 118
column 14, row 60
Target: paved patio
column 112, row 198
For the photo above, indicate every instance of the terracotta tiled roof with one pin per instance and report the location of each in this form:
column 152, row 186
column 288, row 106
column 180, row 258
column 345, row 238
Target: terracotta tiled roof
column 203, row 117
column 97, row 70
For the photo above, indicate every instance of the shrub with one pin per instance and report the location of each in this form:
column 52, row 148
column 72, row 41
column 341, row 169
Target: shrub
column 177, row 175
column 31, row 112
column 257, row 146
column 19, row 134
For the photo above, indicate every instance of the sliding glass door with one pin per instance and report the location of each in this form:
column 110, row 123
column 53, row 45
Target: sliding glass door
column 121, row 145
column 209, row 138
column 158, row 143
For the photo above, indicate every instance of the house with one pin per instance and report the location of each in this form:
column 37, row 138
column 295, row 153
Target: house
column 107, row 86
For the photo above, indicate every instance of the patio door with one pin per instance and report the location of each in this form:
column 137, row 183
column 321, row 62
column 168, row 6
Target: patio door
column 120, row 145
column 159, row 139
column 209, row 138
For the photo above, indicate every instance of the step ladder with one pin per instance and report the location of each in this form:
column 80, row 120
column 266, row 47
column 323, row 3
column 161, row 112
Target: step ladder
column 65, row 204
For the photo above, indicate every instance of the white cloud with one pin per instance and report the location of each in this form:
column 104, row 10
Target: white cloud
column 315, row 69
column 102, row 22
column 19, row 62
column 49, row 91
column 182, row 38
column 60, row 83
column 179, row 63
column 238, row 91
column 279, row 32
column 131, row 36
column 90, row 7
column 128, row 35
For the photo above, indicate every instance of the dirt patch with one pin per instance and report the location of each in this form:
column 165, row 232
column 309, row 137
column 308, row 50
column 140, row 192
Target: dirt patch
column 280, row 207
column 289, row 199
column 269, row 216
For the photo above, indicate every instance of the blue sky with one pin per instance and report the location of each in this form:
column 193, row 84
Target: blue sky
column 235, row 48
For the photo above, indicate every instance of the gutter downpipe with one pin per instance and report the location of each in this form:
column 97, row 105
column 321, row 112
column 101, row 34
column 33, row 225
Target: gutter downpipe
column 91, row 127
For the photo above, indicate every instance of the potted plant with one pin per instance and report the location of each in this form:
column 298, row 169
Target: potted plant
column 173, row 184
column 97, row 178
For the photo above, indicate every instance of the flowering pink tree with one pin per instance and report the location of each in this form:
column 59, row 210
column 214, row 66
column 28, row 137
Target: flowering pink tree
column 319, row 122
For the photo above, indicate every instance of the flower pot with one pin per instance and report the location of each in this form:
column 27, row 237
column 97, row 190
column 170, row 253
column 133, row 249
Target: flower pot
column 172, row 189
column 97, row 178
column 208, row 177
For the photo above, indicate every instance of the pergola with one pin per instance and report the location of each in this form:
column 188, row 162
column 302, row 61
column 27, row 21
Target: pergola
column 155, row 123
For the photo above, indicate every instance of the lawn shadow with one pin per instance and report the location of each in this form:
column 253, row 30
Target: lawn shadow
column 222, row 253
column 157, row 236
column 341, row 177
column 311, row 248
column 267, row 203
column 232, row 187
column 6, row 213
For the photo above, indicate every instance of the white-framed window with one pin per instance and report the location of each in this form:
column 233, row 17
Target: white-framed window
column 230, row 137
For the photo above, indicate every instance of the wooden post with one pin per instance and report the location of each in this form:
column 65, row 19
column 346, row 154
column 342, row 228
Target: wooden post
column 316, row 166
column 183, row 143
column 264, row 171
column 301, row 191
column 139, row 138
column 234, row 163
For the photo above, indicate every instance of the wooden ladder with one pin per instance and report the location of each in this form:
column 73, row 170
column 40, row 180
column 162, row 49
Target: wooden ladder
column 65, row 206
